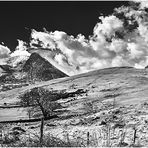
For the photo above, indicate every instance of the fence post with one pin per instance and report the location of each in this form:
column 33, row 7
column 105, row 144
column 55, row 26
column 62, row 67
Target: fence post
column 87, row 138
column 135, row 132
column 41, row 131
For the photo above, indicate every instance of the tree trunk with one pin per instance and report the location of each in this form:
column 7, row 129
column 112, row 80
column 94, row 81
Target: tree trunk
column 42, row 108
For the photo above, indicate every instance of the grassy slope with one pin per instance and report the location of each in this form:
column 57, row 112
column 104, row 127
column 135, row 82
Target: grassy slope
column 128, row 85
column 85, row 113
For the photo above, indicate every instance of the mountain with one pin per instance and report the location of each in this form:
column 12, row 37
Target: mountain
column 21, row 71
column 49, row 55
column 39, row 69
column 7, row 68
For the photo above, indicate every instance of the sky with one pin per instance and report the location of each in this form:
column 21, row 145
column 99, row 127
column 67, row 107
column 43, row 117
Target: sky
column 79, row 36
column 18, row 18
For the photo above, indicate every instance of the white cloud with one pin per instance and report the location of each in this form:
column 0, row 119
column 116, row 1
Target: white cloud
column 104, row 48
column 4, row 52
column 143, row 31
column 20, row 54
column 134, row 50
column 120, row 39
column 109, row 25
column 21, row 50
column 143, row 3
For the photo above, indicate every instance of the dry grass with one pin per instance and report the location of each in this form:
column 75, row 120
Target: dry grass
column 113, row 130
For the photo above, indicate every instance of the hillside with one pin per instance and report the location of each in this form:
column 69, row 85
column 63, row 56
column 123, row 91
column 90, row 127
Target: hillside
column 88, row 102
column 26, row 71
column 129, row 86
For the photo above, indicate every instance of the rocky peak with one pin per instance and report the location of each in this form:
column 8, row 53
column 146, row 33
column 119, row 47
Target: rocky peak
column 39, row 69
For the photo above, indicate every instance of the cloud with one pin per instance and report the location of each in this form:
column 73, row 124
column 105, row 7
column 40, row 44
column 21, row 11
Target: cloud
column 20, row 54
column 143, row 3
column 119, row 39
column 21, row 49
column 104, row 48
column 80, row 53
column 4, row 52
column 109, row 25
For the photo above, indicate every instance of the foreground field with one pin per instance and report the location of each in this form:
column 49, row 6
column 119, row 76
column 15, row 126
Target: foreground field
column 103, row 108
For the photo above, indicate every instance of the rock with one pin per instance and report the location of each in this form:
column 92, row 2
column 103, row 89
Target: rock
column 117, row 111
column 17, row 128
column 103, row 123
column 32, row 127
column 50, row 124
column 16, row 133
column 123, row 144
column 119, row 125
column 5, row 104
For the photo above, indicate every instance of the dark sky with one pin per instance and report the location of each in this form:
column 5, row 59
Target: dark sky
column 71, row 17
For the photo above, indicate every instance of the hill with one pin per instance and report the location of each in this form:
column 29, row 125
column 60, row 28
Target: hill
column 23, row 71
column 39, row 69
column 91, row 102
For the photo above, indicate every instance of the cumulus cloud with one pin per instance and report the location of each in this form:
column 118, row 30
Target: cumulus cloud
column 116, row 41
column 21, row 49
column 80, row 53
column 20, row 54
column 119, row 39
column 4, row 52
column 143, row 3
column 109, row 25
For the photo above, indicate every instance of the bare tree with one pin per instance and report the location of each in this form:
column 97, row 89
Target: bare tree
column 42, row 98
